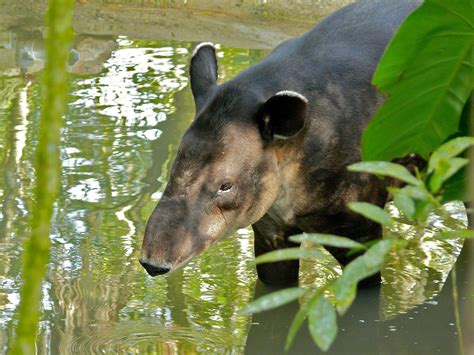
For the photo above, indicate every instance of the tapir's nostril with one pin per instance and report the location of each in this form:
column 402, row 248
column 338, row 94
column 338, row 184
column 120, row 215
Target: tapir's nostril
column 155, row 270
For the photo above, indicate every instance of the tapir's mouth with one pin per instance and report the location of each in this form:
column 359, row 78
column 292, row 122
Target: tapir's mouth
column 156, row 269
column 182, row 264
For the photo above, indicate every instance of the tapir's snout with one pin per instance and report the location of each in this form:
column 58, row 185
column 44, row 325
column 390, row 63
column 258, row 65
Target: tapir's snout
column 154, row 270
column 169, row 242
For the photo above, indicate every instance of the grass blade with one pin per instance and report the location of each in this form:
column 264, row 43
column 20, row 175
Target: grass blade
column 327, row 239
column 384, row 168
column 273, row 300
column 289, row 254
column 372, row 212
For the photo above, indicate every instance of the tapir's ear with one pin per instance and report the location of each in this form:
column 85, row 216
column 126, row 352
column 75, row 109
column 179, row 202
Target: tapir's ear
column 283, row 115
column 203, row 71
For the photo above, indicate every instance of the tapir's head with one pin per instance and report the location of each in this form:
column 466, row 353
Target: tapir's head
column 226, row 173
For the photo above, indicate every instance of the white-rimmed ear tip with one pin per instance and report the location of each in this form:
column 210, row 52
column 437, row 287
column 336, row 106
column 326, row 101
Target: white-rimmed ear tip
column 291, row 93
column 202, row 45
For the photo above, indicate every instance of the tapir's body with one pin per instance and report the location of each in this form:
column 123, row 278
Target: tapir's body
column 277, row 140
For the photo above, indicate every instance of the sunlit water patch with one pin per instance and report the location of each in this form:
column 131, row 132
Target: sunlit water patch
column 416, row 275
column 129, row 105
column 412, row 276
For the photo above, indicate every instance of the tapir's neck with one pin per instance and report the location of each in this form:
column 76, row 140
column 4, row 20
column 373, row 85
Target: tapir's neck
column 292, row 196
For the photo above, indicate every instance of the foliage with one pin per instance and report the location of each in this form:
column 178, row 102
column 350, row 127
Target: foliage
column 415, row 200
column 328, row 240
column 322, row 322
column 372, row 212
column 425, row 193
column 274, row 300
column 427, row 73
column 36, row 253
column 427, row 93
column 288, row 254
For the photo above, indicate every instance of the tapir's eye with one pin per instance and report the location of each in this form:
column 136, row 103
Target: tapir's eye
column 225, row 187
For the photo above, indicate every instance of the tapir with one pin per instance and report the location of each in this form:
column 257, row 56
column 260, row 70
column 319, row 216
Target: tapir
column 270, row 147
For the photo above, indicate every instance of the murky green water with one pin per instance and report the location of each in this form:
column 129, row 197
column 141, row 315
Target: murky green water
column 129, row 104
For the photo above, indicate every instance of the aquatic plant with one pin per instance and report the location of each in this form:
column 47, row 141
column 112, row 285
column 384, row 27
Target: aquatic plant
column 428, row 103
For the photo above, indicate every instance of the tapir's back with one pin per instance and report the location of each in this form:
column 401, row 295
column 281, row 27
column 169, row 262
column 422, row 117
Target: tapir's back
column 352, row 38
column 365, row 23
column 332, row 65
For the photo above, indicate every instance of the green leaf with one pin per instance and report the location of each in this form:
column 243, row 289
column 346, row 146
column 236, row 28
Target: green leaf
column 447, row 151
column 273, row 300
column 384, row 168
column 464, row 234
column 455, row 188
column 322, row 322
column 372, row 212
column 417, row 193
column 300, row 317
column 294, row 327
column 327, row 239
column 445, row 170
column 346, row 292
column 368, row 264
column 289, row 254
column 423, row 209
column 427, row 87
column 366, row 245
column 405, row 204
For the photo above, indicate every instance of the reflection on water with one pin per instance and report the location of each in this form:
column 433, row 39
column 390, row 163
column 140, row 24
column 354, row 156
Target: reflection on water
column 129, row 105
column 416, row 275
column 123, row 126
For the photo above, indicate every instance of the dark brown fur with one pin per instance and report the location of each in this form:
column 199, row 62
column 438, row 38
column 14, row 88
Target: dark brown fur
column 271, row 147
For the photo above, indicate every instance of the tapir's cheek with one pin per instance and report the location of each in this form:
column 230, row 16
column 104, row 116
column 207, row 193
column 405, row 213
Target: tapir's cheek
column 214, row 229
column 265, row 192
column 185, row 249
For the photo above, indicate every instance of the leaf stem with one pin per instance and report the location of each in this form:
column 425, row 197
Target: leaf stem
column 48, row 167
column 456, row 310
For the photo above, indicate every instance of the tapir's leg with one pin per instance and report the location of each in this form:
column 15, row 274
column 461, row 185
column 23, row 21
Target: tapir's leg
column 267, row 238
column 361, row 232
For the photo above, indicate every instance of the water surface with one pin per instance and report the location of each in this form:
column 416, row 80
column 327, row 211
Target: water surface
column 129, row 104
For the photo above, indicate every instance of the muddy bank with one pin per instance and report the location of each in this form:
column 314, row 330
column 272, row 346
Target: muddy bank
column 245, row 23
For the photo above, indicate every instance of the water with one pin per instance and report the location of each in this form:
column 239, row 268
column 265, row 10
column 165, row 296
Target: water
column 129, row 104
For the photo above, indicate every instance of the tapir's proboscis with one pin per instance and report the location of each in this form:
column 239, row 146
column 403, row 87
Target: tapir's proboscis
column 270, row 148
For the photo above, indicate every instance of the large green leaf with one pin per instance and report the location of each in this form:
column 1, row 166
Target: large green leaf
column 273, row 300
column 455, row 188
column 427, row 71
